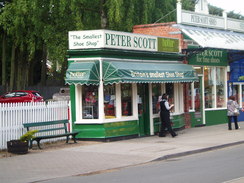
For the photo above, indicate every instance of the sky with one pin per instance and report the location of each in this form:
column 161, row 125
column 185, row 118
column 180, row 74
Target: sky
column 229, row 5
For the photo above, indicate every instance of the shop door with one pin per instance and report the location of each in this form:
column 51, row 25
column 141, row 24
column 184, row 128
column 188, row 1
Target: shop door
column 143, row 109
column 198, row 94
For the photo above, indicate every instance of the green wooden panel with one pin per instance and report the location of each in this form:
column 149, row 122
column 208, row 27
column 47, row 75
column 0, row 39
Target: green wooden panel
column 107, row 130
column 196, row 120
column 117, row 129
column 90, row 130
column 216, row 117
column 156, row 123
column 178, row 121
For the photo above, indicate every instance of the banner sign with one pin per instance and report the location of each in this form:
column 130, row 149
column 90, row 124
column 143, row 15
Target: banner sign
column 121, row 40
column 211, row 57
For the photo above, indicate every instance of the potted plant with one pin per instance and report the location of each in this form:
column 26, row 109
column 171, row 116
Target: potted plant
column 20, row 146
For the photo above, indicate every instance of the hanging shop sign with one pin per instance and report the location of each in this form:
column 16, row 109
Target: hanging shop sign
column 210, row 57
column 121, row 40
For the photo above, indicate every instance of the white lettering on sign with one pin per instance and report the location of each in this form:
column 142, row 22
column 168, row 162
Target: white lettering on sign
column 203, row 20
column 77, row 74
column 193, row 18
column 157, row 74
column 130, row 41
column 117, row 40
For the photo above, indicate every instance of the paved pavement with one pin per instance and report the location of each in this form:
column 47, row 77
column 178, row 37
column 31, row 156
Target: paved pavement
column 95, row 158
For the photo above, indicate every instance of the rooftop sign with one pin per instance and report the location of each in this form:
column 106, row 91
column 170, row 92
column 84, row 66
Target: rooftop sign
column 203, row 20
column 209, row 21
column 121, row 40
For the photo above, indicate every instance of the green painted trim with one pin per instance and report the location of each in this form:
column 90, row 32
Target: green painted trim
column 216, row 117
column 72, row 102
column 107, row 130
column 118, row 53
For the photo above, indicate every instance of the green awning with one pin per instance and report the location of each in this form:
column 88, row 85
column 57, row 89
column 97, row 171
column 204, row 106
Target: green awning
column 83, row 72
column 146, row 72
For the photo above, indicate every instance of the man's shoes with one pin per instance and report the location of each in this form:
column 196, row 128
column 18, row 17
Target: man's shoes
column 174, row 135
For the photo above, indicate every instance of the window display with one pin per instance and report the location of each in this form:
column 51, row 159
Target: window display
column 156, row 94
column 209, row 87
column 89, row 102
column 235, row 92
column 109, row 101
column 169, row 87
column 220, row 87
column 126, row 99
column 197, row 96
column 140, row 97
column 190, row 97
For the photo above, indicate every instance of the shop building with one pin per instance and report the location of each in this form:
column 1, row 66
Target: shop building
column 116, row 80
column 208, row 42
column 236, row 79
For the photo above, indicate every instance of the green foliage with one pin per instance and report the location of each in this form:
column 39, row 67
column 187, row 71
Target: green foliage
column 241, row 78
column 36, row 27
column 28, row 135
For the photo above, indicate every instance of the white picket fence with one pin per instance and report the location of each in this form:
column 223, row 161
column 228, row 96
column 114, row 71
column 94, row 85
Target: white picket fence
column 13, row 115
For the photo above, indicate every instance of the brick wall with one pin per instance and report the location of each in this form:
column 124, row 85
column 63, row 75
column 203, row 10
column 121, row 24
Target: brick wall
column 161, row 29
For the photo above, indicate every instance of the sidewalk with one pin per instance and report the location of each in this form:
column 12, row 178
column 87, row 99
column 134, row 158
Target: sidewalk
column 88, row 159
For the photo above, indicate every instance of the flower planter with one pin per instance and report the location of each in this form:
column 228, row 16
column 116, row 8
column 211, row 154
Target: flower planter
column 17, row 147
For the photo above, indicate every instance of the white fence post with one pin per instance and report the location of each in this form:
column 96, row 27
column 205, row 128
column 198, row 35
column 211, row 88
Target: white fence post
column 13, row 115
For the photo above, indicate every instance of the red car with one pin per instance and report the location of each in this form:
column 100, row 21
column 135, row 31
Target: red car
column 21, row 96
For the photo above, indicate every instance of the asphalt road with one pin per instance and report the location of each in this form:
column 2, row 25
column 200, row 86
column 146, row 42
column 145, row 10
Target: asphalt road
column 225, row 165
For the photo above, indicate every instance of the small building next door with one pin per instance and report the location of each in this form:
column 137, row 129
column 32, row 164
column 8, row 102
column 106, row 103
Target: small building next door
column 143, row 109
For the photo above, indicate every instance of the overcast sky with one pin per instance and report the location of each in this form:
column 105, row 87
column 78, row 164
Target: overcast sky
column 229, row 5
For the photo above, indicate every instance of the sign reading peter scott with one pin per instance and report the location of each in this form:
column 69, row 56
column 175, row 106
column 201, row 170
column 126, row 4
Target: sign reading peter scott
column 121, row 40
column 210, row 57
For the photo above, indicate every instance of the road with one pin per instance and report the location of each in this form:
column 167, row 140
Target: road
column 225, row 165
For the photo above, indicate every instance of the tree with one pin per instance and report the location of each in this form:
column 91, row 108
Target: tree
column 36, row 32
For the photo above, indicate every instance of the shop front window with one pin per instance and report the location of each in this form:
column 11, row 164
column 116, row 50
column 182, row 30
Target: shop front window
column 126, row 99
column 220, row 87
column 209, row 87
column 236, row 92
column 89, row 102
column 190, row 96
column 169, row 88
column 197, row 96
column 156, row 95
column 109, row 101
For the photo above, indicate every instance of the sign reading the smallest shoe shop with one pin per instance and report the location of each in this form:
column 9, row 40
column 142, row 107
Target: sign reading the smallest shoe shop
column 121, row 40
column 209, row 57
